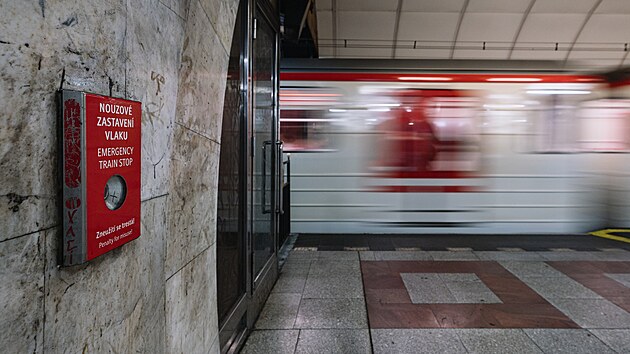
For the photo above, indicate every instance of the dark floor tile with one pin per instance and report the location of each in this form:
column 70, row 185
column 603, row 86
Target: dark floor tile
column 387, row 296
column 464, row 316
column 400, row 316
column 530, row 316
column 511, row 290
column 383, row 281
column 623, row 302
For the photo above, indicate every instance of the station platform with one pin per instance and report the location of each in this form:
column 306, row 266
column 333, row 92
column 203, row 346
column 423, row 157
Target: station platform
column 494, row 294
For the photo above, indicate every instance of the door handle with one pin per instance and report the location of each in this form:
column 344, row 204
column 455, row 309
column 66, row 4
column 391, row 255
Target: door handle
column 264, row 177
column 280, row 185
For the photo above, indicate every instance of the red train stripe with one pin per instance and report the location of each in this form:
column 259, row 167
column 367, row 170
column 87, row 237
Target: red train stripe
column 445, row 78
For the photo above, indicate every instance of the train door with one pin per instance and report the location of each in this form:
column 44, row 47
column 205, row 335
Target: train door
column 248, row 211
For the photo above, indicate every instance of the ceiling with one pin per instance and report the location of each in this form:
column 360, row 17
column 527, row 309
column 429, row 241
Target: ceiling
column 588, row 33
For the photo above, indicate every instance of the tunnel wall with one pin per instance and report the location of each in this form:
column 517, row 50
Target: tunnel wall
column 157, row 293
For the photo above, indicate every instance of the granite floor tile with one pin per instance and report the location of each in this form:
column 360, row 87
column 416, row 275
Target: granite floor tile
column 497, row 341
column 617, row 339
column 471, row 292
column 279, row 311
column 287, row 283
column 333, row 287
column 453, row 256
column 333, row 341
column 613, row 255
column 593, row 313
column 294, row 268
column 331, row 314
column 335, row 268
column 508, row 256
column 338, row 255
column 560, row 288
column 415, row 341
column 367, row 256
column 569, row 256
column 531, row 269
column 569, row 341
column 303, row 255
column 426, row 288
column 402, row 256
column 273, row 341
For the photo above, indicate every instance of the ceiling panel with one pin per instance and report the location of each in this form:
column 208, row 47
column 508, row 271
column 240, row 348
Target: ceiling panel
column 597, row 64
column 480, row 54
column 427, row 26
column 489, row 27
column 614, row 7
column 539, row 54
column 325, row 52
column 402, row 53
column 606, row 29
column 382, row 53
column 325, row 5
column 563, row 6
column 324, row 24
column 494, row 6
column 365, row 25
column 591, row 52
column 551, row 27
column 367, row 5
column 433, row 6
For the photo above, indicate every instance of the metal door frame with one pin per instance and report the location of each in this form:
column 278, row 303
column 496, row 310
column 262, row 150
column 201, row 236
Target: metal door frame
column 241, row 318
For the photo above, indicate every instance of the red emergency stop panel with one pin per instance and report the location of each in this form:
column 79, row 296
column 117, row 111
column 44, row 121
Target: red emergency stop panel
column 101, row 164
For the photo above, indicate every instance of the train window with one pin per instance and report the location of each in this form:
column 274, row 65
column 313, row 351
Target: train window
column 303, row 130
column 604, row 126
column 434, row 132
column 305, row 118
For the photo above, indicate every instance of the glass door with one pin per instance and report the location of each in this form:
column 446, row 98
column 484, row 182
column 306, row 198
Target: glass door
column 264, row 142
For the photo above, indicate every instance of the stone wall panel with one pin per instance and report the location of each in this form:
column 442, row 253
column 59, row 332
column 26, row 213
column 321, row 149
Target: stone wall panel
column 22, row 294
column 76, row 46
column 154, row 40
column 202, row 77
column 193, row 198
column 114, row 303
column 222, row 14
column 191, row 320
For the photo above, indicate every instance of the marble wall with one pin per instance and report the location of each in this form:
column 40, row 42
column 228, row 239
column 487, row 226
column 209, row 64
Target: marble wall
column 157, row 293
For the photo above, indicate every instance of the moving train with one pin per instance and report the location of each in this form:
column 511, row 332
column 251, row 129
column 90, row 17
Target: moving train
column 396, row 147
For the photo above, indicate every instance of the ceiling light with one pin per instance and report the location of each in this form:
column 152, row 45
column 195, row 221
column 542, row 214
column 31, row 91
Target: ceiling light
column 558, row 92
column 514, row 79
column 425, row 78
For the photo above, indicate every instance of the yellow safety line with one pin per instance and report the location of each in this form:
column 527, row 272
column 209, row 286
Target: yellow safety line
column 607, row 234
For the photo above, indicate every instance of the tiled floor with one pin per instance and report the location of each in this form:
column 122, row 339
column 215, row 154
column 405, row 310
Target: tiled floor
column 459, row 301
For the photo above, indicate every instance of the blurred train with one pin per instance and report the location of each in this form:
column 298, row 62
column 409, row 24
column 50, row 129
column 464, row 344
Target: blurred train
column 382, row 147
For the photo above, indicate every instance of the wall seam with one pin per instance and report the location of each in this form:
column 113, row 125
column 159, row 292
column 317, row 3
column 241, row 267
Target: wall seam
column 214, row 28
column 190, row 261
column 173, row 11
column 29, row 233
column 198, row 133
column 155, row 197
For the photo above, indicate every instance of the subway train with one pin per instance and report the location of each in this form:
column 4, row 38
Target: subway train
column 384, row 147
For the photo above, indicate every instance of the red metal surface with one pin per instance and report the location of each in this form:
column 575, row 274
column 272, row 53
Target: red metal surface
column 108, row 229
column 444, row 78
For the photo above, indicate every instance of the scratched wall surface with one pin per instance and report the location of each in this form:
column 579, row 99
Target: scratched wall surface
column 157, row 293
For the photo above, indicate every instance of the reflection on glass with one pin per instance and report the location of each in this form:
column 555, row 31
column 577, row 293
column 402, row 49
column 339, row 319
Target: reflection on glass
column 264, row 67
